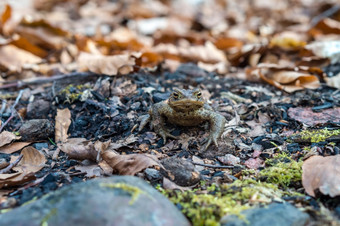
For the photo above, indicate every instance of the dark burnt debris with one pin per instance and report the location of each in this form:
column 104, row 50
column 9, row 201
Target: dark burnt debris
column 107, row 109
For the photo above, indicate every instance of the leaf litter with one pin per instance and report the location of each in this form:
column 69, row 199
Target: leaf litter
column 105, row 65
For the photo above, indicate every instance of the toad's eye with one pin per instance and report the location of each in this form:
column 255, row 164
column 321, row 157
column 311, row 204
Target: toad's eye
column 199, row 95
column 175, row 95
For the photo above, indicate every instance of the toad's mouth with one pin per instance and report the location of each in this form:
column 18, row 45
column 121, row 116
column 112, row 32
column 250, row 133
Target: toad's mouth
column 186, row 105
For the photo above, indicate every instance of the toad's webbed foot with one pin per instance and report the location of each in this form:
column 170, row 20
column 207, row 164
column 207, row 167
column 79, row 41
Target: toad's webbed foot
column 207, row 141
column 164, row 134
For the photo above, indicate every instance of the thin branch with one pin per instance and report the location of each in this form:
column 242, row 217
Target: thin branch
column 41, row 80
column 10, row 166
column 13, row 111
column 213, row 166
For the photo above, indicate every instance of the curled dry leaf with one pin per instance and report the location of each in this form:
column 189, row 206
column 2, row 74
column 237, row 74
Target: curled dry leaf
column 285, row 78
column 129, row 164
column 109, row 65
column 207, row 53
column 7, row 137
column 32, row 162
column 322, row 173
column 62, row 123
column 80, row 148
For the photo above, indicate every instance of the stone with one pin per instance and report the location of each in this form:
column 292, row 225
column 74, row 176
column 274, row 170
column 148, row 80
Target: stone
column 118, row 200
column 153, row 175
column 180, row 171
column 229, row 160
column 38, row 109
column 40, row 146
column 275, row 214
column 36, row 129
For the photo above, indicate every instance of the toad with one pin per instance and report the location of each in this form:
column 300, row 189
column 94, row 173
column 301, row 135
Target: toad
column 184, row 108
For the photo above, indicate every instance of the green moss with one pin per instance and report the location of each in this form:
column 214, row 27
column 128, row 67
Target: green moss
column 206, row 207
column 44, row 221
column 315, row 136
column 282, row 170
column 132, row 190
column 73, row 93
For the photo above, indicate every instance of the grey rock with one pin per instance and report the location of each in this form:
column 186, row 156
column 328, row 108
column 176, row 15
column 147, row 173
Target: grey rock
column 38, row 109
column 180, row 171
column 275, row 214
column 36, row 129
column 118, row 200
column 40, row 146
column 153, row 174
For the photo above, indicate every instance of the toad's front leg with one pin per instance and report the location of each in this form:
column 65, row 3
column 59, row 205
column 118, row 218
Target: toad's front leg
column 217, row 122
column 158, row 121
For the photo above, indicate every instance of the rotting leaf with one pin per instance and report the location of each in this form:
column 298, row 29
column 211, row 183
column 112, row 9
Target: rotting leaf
column 7, row 137
column 62, row 123
column 322, row 173
column 129, row 164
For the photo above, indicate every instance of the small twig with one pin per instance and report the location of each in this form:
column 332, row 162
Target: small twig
column 328, row 13
column 10, row 166
column 42, row 80
column 3, row 108
column 13, row 111
column 213, row 166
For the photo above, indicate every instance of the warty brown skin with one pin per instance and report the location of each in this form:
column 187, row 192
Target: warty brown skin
column 184, row 108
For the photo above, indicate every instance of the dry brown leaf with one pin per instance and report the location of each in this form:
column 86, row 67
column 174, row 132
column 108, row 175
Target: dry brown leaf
column 289, row 40
column 326, row 49
column 13, row 58
column 287, row 80
column 326, row 26
column 129, row 164
column 6, row 14
column 79, row 148
column 13, row 147
column 207, row 53
column 322, row 173
column 109, row 65
column 32, row 162
column 62, row 123
column 26, row 45
column 7, row 137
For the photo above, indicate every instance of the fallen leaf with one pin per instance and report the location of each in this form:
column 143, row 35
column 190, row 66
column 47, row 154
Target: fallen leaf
column 285, row 78
column 62, row 123
column 109, row 65
column 13, row 147
column 79, row 148
column 5, row 16
column 13, row 58
column 333, row 81
column 326, row 26
column 129, row 164
column 322, row 173
column 207, row 53
column 326, row 49
column 7, row 137
column 32, row 162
